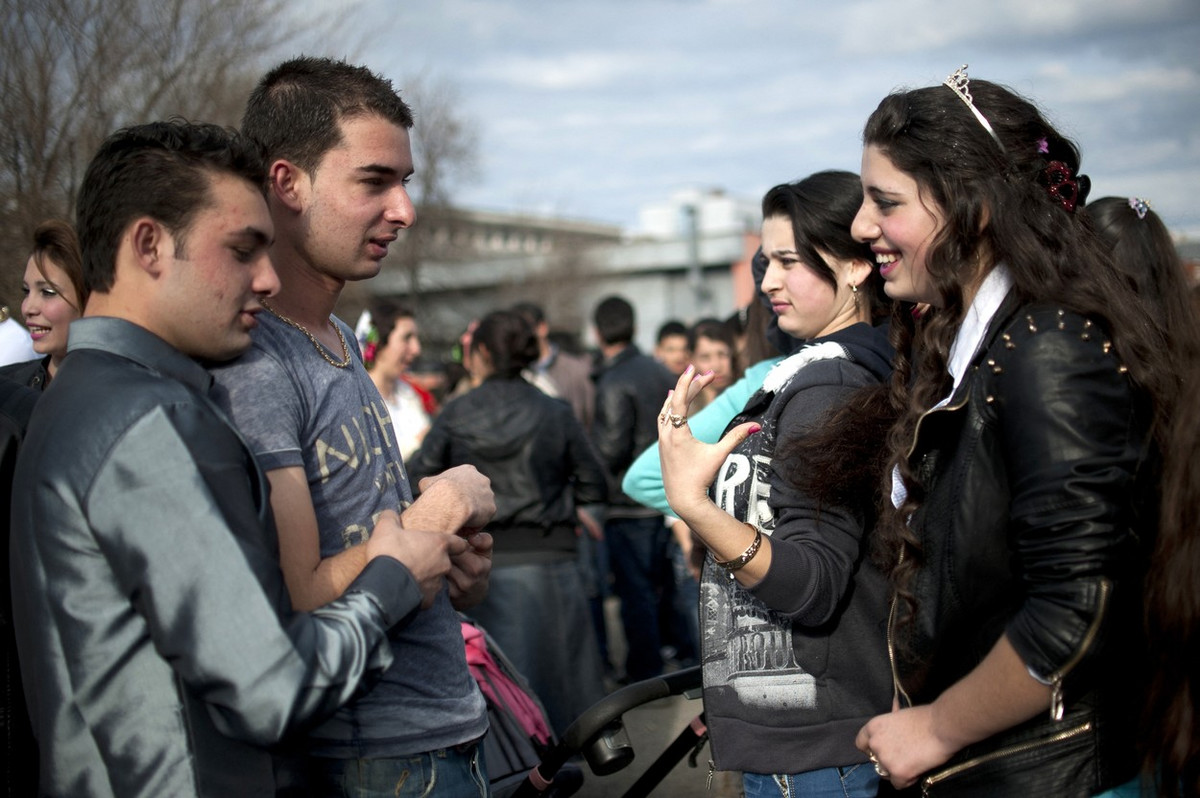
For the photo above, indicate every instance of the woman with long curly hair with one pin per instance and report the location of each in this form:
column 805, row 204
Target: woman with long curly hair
column 1033, row 399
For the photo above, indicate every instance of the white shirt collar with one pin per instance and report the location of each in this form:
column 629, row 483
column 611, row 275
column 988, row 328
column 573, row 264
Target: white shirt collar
column 970, row 335
column 975, row 324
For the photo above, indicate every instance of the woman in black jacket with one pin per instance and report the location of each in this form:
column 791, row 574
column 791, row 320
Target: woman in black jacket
column 1024, row 491
column 542, row 469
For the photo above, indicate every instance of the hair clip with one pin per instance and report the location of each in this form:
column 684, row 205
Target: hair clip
column 1140, row 206
column 959, row 83
column 1065, row 188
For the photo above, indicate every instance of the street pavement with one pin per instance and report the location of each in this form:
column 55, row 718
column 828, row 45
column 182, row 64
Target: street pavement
column 651, row 728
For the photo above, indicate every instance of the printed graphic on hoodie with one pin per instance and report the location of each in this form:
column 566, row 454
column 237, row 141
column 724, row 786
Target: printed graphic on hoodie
column 747, row 646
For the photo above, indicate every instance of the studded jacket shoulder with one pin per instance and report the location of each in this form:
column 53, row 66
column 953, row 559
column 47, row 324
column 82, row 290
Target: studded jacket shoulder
column 1037, row 519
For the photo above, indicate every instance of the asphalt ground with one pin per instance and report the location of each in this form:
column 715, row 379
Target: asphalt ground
column 651, row 728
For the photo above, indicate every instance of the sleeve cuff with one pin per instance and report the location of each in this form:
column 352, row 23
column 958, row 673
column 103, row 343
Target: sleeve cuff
column 393, row 587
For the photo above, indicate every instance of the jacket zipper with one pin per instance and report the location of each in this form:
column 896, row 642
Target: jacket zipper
column 917, row 429
column 1056, row 679
column 929, row 781
column 898, row 691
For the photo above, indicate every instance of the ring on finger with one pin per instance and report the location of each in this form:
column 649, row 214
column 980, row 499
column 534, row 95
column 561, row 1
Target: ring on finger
column 677, row 420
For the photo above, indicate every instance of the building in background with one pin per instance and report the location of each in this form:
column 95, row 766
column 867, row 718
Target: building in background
column 688, row 258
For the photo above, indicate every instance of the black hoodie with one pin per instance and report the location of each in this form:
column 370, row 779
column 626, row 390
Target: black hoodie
column 794, row 666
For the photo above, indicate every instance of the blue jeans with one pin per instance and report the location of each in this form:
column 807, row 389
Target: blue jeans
column 637, row 550
column 457, row 772
column 852, row 781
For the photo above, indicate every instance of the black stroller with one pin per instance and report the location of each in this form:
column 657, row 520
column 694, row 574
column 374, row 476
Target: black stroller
column 599, row 734
column 524, row 759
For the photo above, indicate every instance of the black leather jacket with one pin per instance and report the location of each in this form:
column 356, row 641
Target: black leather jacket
column 1037, row 518
column 33, row 373
column 630, row 391
column 537, row 456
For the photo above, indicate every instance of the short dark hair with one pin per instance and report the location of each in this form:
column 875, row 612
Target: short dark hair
column 296, row 111
column 669, row 328
column 531, row 312
column 614, row 320
column 55, row 240
column 714, row 330
column 509, row 340
column 162, row 170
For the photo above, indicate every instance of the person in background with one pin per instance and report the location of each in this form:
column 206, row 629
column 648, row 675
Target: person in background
column 390, row 342
column 54, row 291
column 569, row 375
column 542, row 470
column 1034, row 395
column 794, row 655
column 713, row 348
column 1142, row 249
column 671, row 346
column 629, row 391
column 754, row 345
column 55, row 294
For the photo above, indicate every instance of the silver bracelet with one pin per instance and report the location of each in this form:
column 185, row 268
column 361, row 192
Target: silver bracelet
column 746, row 556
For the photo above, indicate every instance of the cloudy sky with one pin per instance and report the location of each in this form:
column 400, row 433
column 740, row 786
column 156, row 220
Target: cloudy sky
column 594, row 108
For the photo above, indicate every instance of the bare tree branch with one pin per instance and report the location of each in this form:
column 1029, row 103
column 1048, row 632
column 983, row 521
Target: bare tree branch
column 75, row 70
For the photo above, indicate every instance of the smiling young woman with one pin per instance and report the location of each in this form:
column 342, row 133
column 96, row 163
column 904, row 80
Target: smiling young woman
column 1035, row 393
column 54, row 292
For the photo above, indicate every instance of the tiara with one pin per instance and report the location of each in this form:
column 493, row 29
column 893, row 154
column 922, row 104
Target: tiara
column 1140, row 206
column 959, row 83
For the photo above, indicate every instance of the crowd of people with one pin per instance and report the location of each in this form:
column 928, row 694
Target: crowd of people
column 924, row 512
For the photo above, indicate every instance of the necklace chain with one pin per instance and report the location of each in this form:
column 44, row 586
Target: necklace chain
column 319, row 346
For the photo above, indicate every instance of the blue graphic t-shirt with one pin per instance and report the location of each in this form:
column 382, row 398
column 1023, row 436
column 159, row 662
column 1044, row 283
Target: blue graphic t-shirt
column 297, row 409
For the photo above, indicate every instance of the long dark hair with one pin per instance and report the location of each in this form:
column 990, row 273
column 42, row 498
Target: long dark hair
column 1142, row 249
column 838, row 464
column 997, row 207
column 1143, row 252
column 55, row 240
column 509, row 340
column 821, row 208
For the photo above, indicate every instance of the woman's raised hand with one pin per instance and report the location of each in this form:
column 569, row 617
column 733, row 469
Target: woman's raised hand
column 689, row 466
